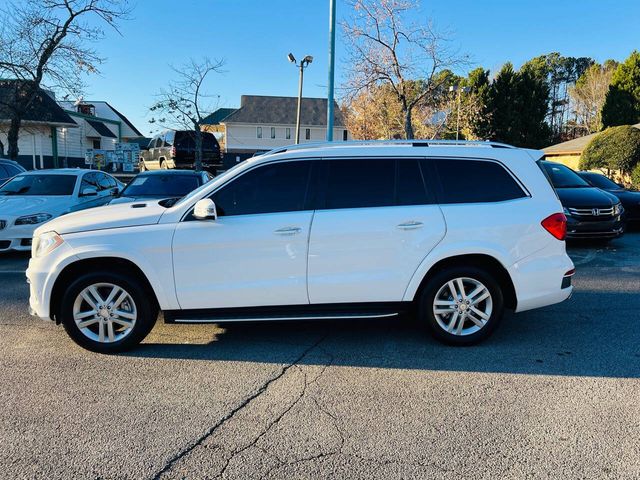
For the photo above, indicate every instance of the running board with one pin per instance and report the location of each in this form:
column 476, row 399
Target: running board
column 286, row 313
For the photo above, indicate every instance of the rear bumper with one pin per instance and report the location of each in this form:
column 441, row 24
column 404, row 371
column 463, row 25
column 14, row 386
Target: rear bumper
column 543, row 278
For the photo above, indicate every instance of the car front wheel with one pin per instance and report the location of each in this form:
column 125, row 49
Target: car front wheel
column 107, row 312
column 462, row 305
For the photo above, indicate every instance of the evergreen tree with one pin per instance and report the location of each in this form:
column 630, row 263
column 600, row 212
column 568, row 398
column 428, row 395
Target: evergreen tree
column 622, row 104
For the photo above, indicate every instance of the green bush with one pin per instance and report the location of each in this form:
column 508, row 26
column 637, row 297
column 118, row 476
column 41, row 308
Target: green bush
column 635, row 176
column 616, row 148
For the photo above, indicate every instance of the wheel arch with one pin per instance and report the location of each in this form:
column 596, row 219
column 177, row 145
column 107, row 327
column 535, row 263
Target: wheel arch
column 483, row 261
column 112, row 264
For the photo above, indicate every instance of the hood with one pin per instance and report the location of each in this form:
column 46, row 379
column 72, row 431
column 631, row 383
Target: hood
column 110, row 216
column 585, row 197
column 20, row 205
column 628, row 196
column 143, row 199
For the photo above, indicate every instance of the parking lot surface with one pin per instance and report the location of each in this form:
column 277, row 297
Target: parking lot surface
column 554, row 393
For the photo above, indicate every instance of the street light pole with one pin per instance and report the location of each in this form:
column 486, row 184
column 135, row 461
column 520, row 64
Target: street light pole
column 332, row 63
column 305, row 62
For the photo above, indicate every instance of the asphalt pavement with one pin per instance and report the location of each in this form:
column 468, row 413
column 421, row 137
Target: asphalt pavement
column 554, row 393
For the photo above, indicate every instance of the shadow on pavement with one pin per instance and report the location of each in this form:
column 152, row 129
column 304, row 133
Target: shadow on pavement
column 576, row 338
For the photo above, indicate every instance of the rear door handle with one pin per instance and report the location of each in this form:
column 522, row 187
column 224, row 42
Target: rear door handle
column 410, row 225
column 288, row 231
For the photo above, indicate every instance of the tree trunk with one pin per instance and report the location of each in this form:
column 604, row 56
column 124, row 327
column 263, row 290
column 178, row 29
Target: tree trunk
column 1, row 149
column 198, row 147
column 408, row 128
column 12, row 137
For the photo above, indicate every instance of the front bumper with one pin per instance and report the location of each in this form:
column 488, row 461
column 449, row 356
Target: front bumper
column 17, row 237
column 588, row 228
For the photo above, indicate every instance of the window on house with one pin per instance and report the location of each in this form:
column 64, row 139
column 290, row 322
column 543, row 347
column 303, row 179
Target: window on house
column 288, row 134
column 273, row 132
column 96, row 143
column 307, row 134
column 345, row 136
column 259, row 132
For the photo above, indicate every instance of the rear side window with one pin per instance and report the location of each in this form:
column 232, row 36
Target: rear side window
column 475, row 181
column 360, row 183
column 278, row 187
column 378, row 182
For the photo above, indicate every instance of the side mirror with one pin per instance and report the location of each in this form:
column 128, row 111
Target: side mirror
column 205, row 209
column 89, row 192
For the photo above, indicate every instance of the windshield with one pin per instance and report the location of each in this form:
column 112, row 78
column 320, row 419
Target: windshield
column 564, row 177
column 39, row 184
column 160, row 186
column 601, row 181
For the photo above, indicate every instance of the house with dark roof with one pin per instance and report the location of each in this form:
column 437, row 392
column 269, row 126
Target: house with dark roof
column 264, row 122
column 569, row 152
column 56, row 134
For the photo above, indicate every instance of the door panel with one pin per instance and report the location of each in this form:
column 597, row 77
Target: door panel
column 242, row 261
column 369, row 254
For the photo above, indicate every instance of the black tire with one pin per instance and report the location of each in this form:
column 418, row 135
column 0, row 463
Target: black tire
column 146, row 309
column 438, row 281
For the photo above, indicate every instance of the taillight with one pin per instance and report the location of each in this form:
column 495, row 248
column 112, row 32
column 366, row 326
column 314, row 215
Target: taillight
column 556, row 225
column 173, row 151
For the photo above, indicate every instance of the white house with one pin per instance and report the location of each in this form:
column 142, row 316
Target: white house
column 59, row 134
column 264, row 122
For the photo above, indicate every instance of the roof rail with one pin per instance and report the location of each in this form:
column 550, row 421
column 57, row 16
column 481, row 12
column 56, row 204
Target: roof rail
column 410, row 143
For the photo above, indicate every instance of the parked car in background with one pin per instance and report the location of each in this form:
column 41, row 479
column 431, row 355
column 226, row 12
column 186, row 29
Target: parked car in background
column 9, row 169
column 591, row 212
column 161, row 184
column 177, row 149
column 32, row 198
column 456, row 233
column 630, row 199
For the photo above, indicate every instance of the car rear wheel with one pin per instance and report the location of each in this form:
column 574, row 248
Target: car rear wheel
column 107, row 312
column 462, row 305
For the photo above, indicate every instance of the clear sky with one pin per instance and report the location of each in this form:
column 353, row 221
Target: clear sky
column 254, row 37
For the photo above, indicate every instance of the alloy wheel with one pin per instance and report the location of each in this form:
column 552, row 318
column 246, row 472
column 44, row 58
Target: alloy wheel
column 105, row 312
column 462, row 306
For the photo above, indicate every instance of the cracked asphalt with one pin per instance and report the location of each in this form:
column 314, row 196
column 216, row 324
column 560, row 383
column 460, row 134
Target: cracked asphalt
column 553, row 394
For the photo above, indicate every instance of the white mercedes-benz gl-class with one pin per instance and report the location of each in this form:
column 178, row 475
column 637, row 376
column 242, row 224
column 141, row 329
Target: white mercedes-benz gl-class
column 452, row 232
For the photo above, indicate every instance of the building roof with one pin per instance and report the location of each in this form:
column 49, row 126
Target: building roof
column 260, row 109
column 101, row 128
column 106, row 110
column 216, row 117
column 573, row 147
column 43, row 109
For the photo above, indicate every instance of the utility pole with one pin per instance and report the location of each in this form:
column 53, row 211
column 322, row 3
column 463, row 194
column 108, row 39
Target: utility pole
column 332, row 63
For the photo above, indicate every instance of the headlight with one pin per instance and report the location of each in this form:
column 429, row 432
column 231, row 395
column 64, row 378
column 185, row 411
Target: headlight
column 617, row 209
column 45, row 244
column 33, row 219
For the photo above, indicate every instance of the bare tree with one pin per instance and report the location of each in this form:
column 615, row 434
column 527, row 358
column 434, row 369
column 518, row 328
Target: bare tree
column 385, row 49
column 45, row 42
column 185, row 103
column 589, row 93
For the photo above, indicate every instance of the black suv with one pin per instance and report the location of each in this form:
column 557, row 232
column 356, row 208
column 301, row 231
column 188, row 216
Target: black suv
column 590, row 212
column 177, row 149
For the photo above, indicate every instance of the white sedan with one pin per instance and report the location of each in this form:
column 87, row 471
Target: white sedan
column 32, row 198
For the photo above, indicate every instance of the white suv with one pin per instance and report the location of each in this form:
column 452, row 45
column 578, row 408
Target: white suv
column 455, row 232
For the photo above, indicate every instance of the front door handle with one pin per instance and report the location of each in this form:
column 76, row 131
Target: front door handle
column 410, row 225
column 288, row 231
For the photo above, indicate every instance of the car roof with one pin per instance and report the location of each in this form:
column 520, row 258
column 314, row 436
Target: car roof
column 169, row 172
column 61, row 171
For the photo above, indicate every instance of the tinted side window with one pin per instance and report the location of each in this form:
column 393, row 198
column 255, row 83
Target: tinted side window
column 360, row 183
column 168, row 138
column 12, row 170
column 279, row 187
column 89, row 180
column 410, row 183
column 473, row 181
column 105, row 182
column 4, row 172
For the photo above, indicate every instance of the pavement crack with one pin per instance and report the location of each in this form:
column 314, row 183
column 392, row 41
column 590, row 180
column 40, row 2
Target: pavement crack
column 263, row 388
